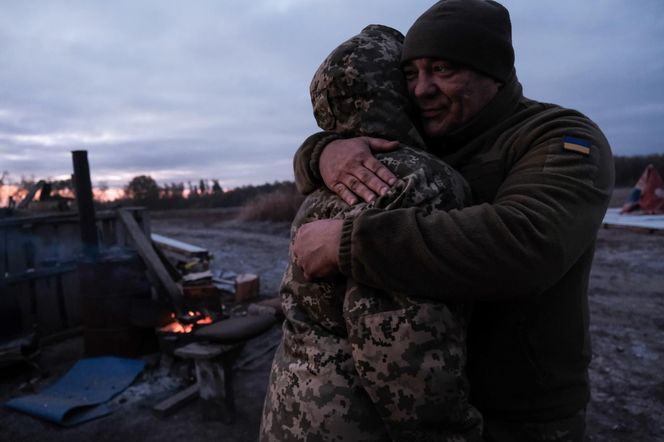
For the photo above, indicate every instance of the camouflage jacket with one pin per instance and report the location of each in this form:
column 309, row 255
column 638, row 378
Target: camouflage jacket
column 357, row 363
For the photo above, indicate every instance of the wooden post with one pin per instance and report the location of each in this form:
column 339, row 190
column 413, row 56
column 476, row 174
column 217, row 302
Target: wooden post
column 151, row 259
column 86, row 210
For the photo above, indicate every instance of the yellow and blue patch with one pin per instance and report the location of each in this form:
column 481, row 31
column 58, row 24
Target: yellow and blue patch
column 578, row 145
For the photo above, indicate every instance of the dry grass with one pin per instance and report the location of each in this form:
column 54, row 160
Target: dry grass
column 211, row 214
column 277, row 206
column 282, row 204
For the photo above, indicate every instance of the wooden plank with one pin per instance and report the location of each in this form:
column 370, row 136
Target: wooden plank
column 45, row 245
column 72, row 297
column 108, row 233
column 643, row 223
column 59, row 217
column 39, row 273
column 60, row 241
column 48, row 308
column 143, row 218
column 180, row 247
column 3, row 252
column 22, row 293
column 31, row 194
column 60, row 336
column 39, row 219
column 62, row 308
column 16, row 248
column 121, row 236
column 175, row 274
column 199, row 350
column 10, row 312
column 69, row 242
column 152, row 261
column 177, row 401
column 67, row 225
column 17, row 264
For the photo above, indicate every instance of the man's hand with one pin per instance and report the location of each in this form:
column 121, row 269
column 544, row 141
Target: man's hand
column 350, row 170
column 316, row 248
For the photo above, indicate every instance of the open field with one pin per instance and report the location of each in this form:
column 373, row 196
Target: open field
column 626, row 303
column 627, row 326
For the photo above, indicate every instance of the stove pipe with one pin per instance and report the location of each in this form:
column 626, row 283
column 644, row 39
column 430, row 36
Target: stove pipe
column 86, row 209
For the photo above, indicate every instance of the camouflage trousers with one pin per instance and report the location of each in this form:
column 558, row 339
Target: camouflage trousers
column 315, row 393
column 358, row 363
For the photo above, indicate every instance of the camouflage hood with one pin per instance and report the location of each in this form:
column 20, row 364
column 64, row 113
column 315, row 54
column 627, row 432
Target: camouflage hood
column 359, row 88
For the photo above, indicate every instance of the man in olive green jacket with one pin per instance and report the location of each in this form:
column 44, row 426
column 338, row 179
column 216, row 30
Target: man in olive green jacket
column 541, row 177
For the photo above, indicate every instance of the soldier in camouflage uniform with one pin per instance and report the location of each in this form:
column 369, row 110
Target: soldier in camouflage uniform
column 356, row 363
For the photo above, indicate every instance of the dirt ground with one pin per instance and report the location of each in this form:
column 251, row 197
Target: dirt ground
column 627, row 331
column 627, row 325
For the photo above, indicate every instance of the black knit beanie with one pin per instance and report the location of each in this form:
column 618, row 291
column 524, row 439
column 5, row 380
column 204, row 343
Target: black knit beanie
column 474, row 33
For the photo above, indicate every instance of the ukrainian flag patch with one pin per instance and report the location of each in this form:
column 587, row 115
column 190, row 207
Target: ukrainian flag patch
column 576, row 145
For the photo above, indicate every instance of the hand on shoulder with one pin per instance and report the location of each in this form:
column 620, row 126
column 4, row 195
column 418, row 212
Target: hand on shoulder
column 350, row 170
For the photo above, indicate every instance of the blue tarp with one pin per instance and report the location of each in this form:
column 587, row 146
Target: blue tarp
column 83, row 392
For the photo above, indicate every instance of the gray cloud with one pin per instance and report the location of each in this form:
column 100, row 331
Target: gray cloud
column 220, row 89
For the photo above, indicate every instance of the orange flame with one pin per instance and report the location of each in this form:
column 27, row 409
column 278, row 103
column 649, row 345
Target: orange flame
column 178, row 327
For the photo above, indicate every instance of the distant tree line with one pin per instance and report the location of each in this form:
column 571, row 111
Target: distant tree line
column 207, row 193
column 629, row 169
column 143, row 190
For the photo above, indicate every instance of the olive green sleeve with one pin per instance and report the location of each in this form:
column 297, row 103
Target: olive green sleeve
column 305, row 161
column 545, row 215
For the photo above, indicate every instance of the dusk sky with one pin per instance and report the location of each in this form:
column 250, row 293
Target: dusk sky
column 220, row 88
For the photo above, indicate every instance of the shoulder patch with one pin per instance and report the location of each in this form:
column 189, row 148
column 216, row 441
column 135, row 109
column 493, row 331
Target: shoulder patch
column 578, row 145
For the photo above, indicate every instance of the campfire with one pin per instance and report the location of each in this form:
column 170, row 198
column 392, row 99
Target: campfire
column 186, row 324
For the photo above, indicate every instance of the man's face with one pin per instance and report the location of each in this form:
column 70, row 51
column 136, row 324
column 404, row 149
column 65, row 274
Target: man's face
column 446, row 96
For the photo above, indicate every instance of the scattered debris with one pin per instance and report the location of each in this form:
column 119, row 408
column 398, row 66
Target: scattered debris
column 177, row 401
column 197, row 278
column 225, row 280
column 246, row 287
column 199, row 285
column 20, row 349
column 187, row 258
column 214, row 372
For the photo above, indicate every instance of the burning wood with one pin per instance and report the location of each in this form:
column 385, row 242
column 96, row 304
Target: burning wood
column 186, row 324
